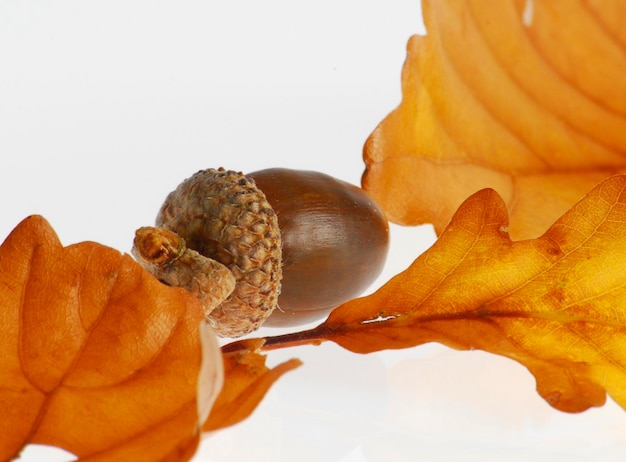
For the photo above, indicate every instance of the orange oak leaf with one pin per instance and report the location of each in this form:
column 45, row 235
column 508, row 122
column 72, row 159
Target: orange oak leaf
column 527, row 97
column 556, row 304
column 247, row 380
column 96, row 356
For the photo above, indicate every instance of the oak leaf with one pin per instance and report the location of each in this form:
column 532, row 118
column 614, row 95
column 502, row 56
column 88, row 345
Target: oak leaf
column 96, row 356
column 527, row 97
column 556, row 304
column 247, row 381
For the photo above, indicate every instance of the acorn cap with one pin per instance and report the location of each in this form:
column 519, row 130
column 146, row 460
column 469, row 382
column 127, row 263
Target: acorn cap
column 223, row 215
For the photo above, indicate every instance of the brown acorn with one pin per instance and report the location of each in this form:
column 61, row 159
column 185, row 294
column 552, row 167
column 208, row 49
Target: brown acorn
column 335, row 240
column 325, row 239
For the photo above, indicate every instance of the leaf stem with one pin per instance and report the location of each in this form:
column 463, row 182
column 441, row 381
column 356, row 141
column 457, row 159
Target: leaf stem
column 313, row 336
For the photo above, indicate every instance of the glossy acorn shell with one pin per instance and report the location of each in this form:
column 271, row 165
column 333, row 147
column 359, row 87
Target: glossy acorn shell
column 335, row 240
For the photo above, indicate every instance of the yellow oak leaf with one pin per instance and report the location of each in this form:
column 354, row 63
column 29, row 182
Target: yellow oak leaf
column 527, row 97
column 556, row 304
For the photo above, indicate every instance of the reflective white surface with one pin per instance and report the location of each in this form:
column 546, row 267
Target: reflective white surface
column 105, row 108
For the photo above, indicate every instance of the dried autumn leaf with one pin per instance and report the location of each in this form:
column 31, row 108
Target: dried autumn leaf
column 525, row 97
column 556, row 304
column 247, row 380
column 96, row 356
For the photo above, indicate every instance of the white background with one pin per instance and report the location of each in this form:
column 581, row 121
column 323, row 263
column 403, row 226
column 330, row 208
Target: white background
column 106, row 106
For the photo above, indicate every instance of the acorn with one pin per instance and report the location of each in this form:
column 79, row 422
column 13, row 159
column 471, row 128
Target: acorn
column 298, row 243
column 335, row 240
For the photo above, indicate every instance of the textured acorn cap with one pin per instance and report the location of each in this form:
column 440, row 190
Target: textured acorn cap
column 224, row 216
